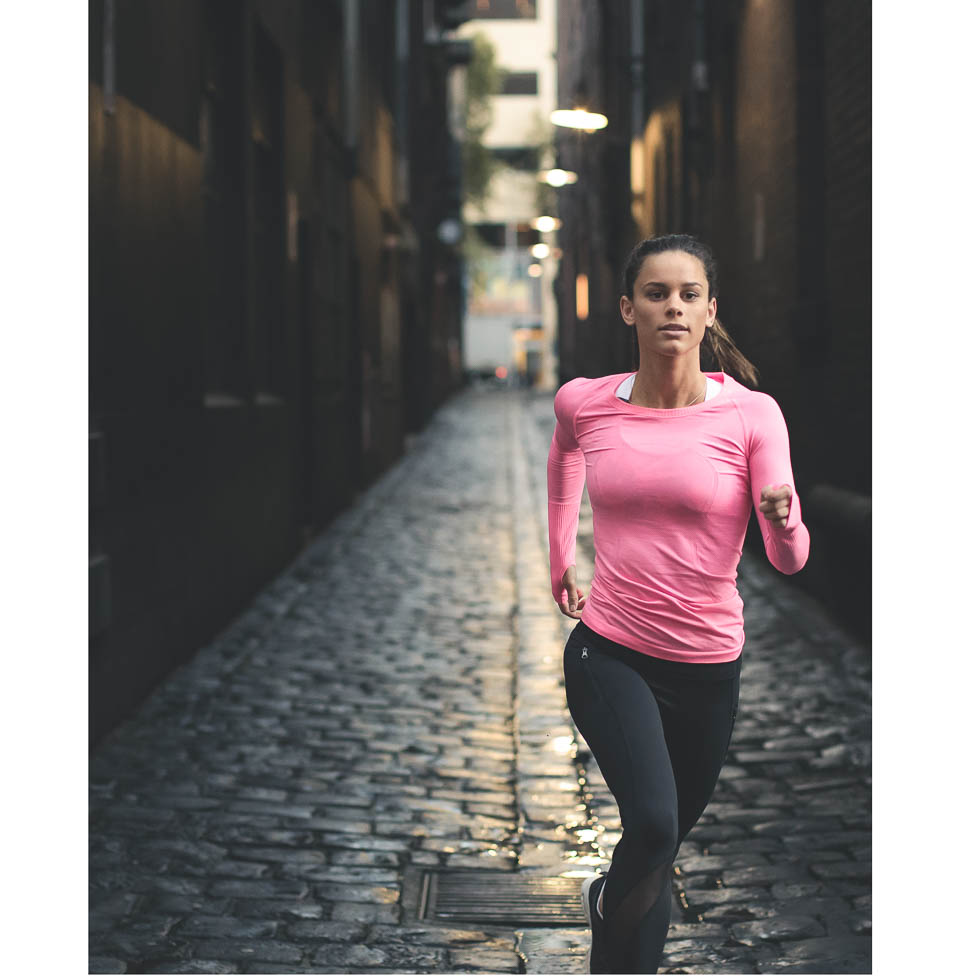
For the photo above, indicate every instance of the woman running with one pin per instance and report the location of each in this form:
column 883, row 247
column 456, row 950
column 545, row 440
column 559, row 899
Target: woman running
column 673, row 459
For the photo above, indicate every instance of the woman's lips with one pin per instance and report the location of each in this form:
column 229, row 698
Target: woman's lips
column 673, row 329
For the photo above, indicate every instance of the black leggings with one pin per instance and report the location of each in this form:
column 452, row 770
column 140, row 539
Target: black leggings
column 659, row 731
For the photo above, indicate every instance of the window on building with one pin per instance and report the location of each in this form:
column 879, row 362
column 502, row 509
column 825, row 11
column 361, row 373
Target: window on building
column 527, row 236
column 518, row 157
column 504, row 10
column 493, row 235
column 518, row 83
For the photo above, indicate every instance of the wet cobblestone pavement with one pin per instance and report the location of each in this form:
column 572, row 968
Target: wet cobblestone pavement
column 393, row 703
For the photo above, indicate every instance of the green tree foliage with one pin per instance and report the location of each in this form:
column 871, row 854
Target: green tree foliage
column 541, row 135
column 478, row 255
column 483, row 81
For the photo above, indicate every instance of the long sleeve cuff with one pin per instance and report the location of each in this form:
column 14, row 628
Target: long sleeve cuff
column 563, row 521
column 787, row 547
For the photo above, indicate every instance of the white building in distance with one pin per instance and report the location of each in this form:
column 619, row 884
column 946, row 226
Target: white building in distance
column 511, row 319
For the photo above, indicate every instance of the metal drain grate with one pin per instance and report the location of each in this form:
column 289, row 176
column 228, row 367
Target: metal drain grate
column 495, row 897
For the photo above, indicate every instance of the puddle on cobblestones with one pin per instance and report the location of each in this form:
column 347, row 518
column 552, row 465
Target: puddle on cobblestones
column 583, row 853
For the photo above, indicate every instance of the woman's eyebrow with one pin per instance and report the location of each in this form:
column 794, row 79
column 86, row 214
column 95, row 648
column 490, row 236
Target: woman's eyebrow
column 662, row 285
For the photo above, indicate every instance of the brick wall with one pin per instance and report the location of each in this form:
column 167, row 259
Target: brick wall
column 236, row 259
column 786, row 207
column 847, row 117
column 758, row 308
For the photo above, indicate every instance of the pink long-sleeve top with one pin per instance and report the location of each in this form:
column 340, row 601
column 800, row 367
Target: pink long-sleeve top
column 671, row 492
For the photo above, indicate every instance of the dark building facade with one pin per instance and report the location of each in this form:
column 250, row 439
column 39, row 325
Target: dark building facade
column 748, row 124
column 271, row 309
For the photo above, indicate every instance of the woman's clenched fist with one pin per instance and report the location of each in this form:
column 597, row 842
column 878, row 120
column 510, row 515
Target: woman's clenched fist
column 574, row 606
column 775, row 503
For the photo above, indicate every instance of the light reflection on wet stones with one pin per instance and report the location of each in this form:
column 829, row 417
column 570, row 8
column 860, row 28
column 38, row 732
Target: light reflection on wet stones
column 780, row 927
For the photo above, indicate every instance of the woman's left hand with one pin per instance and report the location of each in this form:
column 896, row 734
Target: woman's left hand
column 775, row 503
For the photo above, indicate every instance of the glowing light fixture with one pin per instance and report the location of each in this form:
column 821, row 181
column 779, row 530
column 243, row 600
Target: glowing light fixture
column 557, row 178
column 578, row 119
column 540, row 250
column 583, row 297
column 545, row 223
column 535, row 270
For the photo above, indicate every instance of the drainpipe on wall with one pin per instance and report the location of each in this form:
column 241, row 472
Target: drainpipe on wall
column 638, row 118
column 109, row 59
column 351, row 75
column 696, row 148
column 699, row 73
column 401, row 112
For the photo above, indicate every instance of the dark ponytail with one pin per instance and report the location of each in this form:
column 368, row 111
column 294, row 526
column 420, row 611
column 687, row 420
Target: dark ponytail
column 726, row 356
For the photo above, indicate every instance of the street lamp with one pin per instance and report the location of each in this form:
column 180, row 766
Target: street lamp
column 578, row 119
column 583, row 122
column 545, row 223
column 557, row 177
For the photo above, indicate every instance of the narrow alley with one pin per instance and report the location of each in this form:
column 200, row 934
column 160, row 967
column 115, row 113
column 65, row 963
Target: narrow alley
column 373, row 770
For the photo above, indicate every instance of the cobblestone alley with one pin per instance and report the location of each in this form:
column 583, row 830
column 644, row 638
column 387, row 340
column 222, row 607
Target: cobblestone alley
column 391, row 710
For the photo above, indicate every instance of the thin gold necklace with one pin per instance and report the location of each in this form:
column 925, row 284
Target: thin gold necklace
column 702, row 393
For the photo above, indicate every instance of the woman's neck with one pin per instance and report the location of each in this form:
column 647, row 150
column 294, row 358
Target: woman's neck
column 668, row 389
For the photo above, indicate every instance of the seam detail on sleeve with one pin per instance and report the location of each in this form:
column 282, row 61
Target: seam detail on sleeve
column 575, row 415
column 747, row 446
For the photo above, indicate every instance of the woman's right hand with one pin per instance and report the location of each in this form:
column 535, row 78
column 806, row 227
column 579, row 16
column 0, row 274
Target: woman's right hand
column 568, row 581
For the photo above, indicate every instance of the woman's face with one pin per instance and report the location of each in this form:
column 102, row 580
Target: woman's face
column 670, row 309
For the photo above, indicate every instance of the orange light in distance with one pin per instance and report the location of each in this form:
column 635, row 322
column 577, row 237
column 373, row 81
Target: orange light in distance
column 583, row 297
